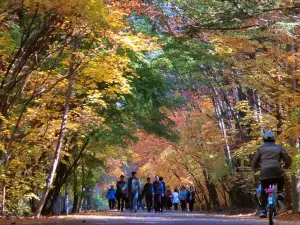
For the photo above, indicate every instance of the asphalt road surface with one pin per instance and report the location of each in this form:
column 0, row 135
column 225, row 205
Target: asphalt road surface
column 148, row 219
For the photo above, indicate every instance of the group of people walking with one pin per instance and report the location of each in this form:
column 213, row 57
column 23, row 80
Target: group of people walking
column 156, row 194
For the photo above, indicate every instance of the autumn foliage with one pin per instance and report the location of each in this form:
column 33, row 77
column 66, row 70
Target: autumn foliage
column 90, row 89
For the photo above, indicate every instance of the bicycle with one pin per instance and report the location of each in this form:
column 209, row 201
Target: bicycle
column 272, row 203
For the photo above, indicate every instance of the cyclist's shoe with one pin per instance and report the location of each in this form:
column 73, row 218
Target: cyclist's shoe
column 280, row 196
column 262, row 214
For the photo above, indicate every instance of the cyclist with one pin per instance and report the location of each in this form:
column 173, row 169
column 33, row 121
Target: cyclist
column 268, row 158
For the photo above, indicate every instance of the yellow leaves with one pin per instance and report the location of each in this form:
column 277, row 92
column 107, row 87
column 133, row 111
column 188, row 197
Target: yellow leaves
column 227, row 46
column 96, row 97
column 290, row 100
column 136, row 42
column 3, row 118
column 242, row 106
column 116, row 16
column 17, row 164
column 109, row 69
column 222, row 49
column 5, row 45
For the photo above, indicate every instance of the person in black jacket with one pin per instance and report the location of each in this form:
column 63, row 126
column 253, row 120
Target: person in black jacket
column 129, row 184
column 148, row 193
column 120, row 193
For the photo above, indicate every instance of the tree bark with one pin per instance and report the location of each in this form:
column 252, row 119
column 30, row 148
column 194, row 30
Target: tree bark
column 62, row 132
column 75, row 192
column 54, row 193
column 3, row 212
column 213, row 195
column 82, row 186
column 288, row 191
column 222, row 128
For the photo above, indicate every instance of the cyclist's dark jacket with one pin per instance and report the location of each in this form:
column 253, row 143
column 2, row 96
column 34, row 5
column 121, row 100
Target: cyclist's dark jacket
column 268, row 158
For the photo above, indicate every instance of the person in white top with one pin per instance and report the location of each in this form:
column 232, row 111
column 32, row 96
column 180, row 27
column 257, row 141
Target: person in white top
column 175, row 199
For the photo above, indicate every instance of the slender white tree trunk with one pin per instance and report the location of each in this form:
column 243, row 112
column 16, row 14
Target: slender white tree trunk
column 62, row 132
column 223, row 129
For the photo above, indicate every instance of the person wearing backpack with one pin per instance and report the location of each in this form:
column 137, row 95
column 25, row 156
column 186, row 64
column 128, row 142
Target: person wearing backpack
column 120, row 193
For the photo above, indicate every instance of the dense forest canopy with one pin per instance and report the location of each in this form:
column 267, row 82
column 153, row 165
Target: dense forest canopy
column 91, row 89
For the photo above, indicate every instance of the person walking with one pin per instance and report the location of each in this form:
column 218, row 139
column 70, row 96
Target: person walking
column 168, row 198
column 148, row 192
column 128, row 189
column 161, row 179
column 158, row 193
column 126, row 197
column 190, row 198
column 135, row 192
column 175, row 199
column 111, row 196
column 120, row 193
column 182, row 198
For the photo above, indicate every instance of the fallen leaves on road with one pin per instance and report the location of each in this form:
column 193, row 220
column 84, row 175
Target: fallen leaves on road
column 288, row 216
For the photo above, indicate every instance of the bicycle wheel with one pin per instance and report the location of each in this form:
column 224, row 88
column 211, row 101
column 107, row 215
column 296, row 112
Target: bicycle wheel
column 271, row 215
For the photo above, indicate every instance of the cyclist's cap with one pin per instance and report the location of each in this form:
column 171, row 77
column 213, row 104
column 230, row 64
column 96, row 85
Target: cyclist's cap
column 269, row 135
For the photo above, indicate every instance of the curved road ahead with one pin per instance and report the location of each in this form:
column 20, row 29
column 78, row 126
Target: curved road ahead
column 142, row 218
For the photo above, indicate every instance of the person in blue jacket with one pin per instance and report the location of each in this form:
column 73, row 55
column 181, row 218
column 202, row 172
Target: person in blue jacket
column 161, row 179
column 182, row 198
column 111, row 196
column 158, row 190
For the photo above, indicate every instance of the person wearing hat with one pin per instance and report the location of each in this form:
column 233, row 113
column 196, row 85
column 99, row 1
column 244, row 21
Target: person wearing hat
column 268, row 159
column 111, row 196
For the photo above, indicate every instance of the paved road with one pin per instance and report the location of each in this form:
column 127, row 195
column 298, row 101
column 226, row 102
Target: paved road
column 148, row 219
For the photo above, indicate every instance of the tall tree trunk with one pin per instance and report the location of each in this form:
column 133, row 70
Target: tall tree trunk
column 3, row 199
column 54, row 193
column 82, row 187
column 52, row 171
column 75, row 192
column 201, row 189
column 222, row 128
column 295, row 196
column 288, row 191
column 213, row 195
